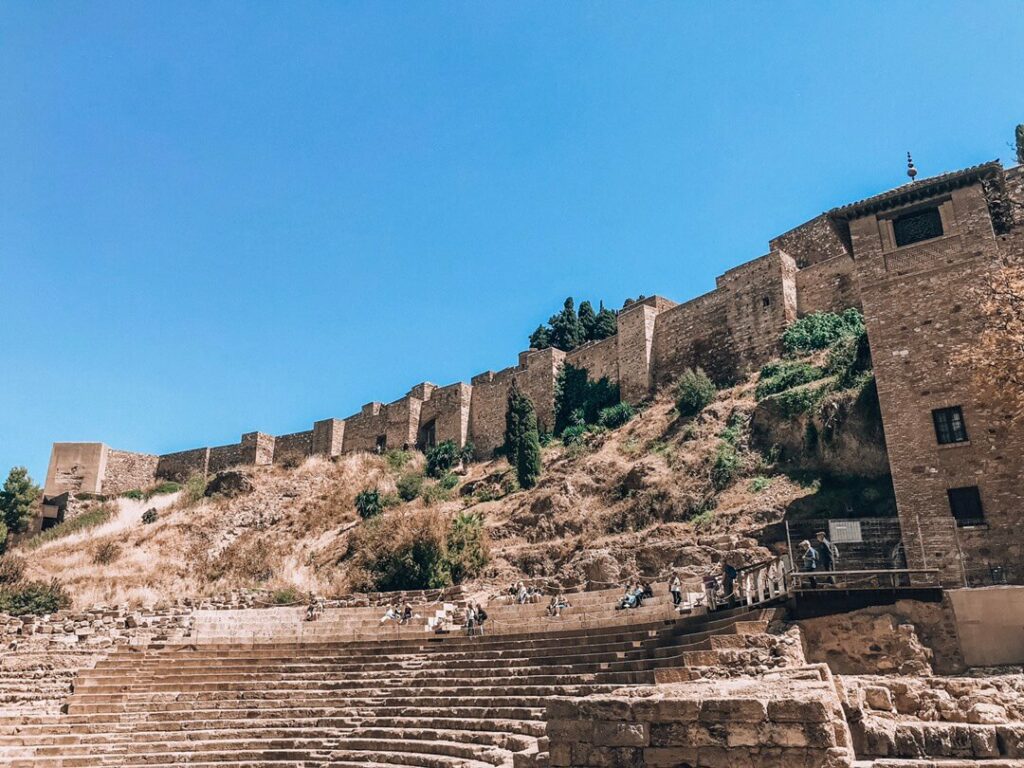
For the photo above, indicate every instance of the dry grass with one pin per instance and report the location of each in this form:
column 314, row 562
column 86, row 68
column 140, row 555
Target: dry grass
column 634, row 500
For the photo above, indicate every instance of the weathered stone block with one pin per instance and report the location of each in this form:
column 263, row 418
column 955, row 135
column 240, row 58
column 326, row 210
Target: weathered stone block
column 733, row 710
column 612, row 734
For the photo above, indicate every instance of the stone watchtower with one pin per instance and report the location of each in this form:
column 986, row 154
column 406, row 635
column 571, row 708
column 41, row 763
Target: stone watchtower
column 920, row 252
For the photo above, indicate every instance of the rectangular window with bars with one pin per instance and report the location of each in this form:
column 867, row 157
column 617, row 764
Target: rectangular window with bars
column 915, row 227
column 949, row 425
column 965, row 504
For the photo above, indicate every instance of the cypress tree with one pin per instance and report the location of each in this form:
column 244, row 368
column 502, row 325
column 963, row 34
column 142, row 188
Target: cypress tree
column 522, row 438
column 605, row 324
column 1020, row 143
column 540, row 338
column 566, row 329
column 588, row 319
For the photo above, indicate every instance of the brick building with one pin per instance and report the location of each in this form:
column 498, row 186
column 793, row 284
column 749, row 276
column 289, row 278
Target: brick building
column 908, row 258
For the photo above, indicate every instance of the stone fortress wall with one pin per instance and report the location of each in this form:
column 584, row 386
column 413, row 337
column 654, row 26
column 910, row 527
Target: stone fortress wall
column 913, row 300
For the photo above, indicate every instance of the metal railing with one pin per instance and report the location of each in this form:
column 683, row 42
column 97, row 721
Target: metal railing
column 883, row 579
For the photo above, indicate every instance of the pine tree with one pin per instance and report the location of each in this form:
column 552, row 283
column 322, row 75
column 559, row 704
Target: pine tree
column 587, row 318
column 566, row 329
column 17, row 498
column 540, row 338
column 1020, row 143
column 605, row 324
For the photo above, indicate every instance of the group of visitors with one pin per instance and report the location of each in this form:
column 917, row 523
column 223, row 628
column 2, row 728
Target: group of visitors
column 820, row 556
column 522, row 594
column 398, row 615
column 557, row 605
column 635, row 594
column 475, row 618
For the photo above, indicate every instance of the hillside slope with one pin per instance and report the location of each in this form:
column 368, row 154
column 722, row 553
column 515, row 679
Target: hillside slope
column 659, row 493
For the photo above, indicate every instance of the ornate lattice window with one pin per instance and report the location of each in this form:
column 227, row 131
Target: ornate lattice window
column 917, row 226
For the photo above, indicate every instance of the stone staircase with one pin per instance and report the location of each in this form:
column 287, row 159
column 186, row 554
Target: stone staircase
column 343, row 691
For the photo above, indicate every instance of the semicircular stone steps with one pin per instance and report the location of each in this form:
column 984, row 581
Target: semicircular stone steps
column 400, row 699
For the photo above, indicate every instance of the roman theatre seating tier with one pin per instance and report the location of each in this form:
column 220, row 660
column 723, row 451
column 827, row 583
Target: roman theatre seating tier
column 357, row 694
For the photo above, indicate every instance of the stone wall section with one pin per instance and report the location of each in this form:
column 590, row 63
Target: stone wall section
column 827, row 286
column 126, row 471
column 291, row 450
column 448, row 408
column 813, row 242
column 180, row 466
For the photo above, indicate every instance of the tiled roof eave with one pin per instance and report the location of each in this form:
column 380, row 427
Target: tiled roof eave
column 914, row 191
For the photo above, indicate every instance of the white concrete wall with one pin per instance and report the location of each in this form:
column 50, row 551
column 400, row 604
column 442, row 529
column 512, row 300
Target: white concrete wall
column 990, row 622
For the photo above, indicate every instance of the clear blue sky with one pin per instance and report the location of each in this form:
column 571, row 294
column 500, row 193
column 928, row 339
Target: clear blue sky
column 224, row 217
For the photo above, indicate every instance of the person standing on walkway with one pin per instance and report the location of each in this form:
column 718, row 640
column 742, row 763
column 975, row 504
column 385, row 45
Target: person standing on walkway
column 810, row 559
column 676, row 588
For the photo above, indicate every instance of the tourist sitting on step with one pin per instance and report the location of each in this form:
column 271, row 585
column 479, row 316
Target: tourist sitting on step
column 557, row 605
column 676, row 588
column 315, row 607
column 522, row 594
column 631, row 598
column 406, row 614
column 646, row 586
column 391, row 614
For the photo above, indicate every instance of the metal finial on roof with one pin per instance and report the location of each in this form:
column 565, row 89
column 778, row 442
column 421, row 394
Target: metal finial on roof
column 911, row 170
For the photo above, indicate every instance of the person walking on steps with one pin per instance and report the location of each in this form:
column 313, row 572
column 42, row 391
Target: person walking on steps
column 676, row 588
column 827, row 556
column 810, row 561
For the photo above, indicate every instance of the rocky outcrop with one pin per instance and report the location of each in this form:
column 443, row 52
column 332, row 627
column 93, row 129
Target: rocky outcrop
column 840, row 437
column 909, row 637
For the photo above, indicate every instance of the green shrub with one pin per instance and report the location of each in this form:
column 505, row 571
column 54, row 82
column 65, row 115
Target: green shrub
column 3, row 537
column 786, row 375
column 286, row 596
column 409, row 486
column 168, row 486
column 434, row 493
column 734, row 429
column 448, row 481
column 369, row 503
column 150, row 516
column 423, row 551
column 575, row 435
column 443, row 457
column 616, row 415
column 466, row 552
column 33, row 597
column 821, row 330
column 90, row 519
column 397, row 459
column 694, row 392
column 702, row 520
column 794, row 402
column 725, row 466
column 134, row 494
column 848, row 358
column 759, row 483
column 193, row 490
